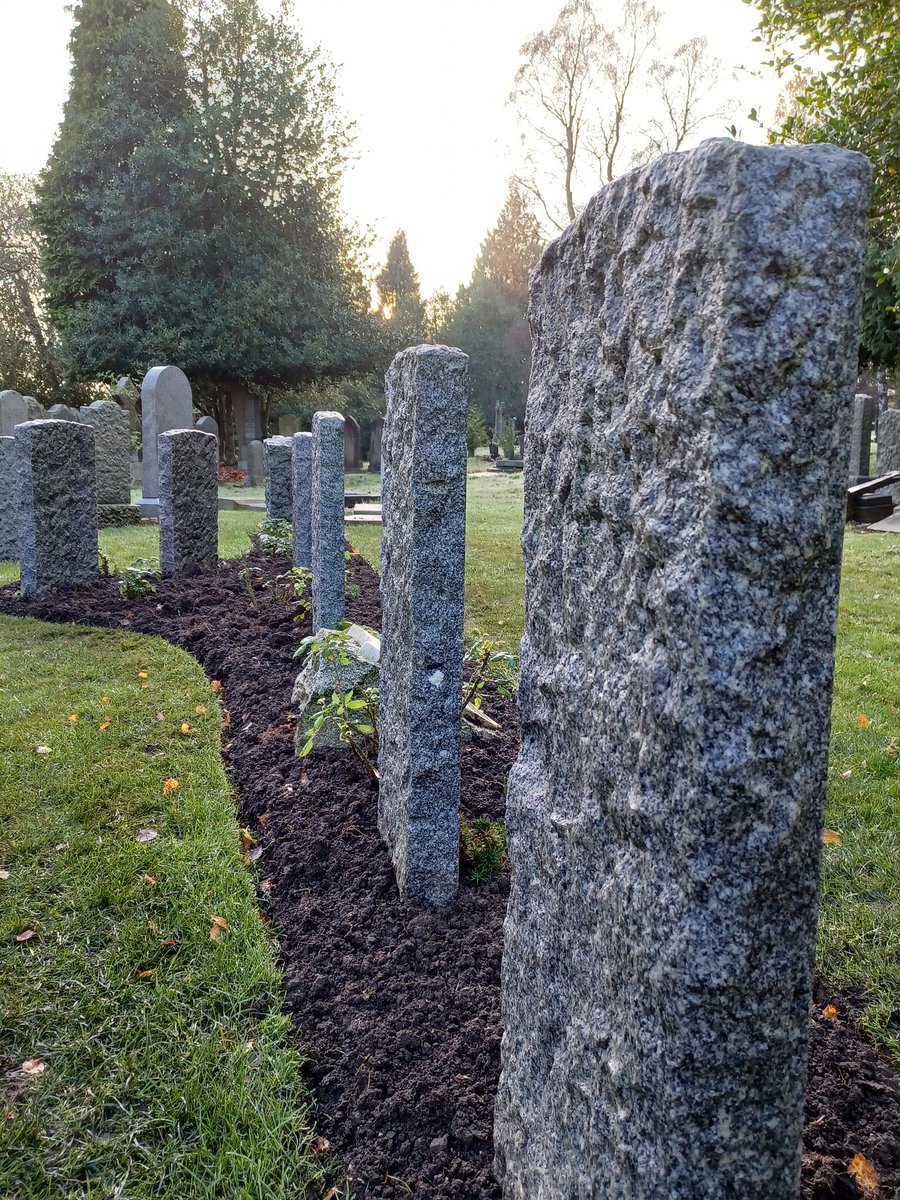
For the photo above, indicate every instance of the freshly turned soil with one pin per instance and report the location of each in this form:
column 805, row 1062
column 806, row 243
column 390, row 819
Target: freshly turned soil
column 396, row 1006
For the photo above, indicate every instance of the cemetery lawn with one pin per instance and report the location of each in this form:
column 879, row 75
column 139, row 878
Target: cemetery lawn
column 156, row 1059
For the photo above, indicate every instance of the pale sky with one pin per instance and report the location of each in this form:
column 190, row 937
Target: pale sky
column 427, row 86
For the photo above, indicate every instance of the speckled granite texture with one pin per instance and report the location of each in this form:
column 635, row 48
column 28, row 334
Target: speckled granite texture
column 279, row 487
column 58, row 505
column 166, row 403
column 688, row 422
column 188, row 500
column 328, row 543
column 423, row 550
column 9, row 500
column 112, row 450
column 301, row 498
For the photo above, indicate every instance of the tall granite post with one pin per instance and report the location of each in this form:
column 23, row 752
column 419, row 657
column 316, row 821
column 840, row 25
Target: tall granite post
column 301, row 491
column 188, row 500
column 328, row 540
column 9, row 500
column 422, row 581
column 110, row 424
column 58, row 505
column 279, row 498
column 695, row 345
column 863, row 421
column 166, row 403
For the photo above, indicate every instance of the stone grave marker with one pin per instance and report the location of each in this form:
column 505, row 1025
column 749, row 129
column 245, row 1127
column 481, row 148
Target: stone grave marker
column 861, row 438
column 301, row 498
column 110, row 424
column 58, row 505
column 166, row 403
column 279, row 487
column 288, row 424
column 352, row 451
column 328, row 543
column 256, row 463
column 188, row 500
column 422, row 582
column 62, row 412
column 13, row 412
column 34, row 408
column 683, row 524
column 375, row 435
column 9, row 500
column 207, row 424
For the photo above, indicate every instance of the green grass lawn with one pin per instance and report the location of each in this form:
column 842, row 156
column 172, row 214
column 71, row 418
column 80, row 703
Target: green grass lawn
column 159, row 1061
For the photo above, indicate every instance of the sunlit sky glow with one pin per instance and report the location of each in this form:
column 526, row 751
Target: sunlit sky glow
column 427, row 87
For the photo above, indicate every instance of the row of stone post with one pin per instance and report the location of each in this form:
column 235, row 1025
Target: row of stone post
column 695, row 350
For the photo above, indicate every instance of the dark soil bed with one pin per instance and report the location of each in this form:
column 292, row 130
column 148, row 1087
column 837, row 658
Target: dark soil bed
column 396, row 1006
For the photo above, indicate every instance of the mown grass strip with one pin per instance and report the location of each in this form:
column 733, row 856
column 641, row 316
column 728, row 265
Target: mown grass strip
column 163, row 1062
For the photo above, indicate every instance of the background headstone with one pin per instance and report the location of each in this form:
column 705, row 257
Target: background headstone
column 109, row 422
column 188, row 500
column 301, row 490
column 352, row 451
column 695, row 347
column 13, row 412
column 861, row 438
column 288, row 425
column 166, row 403
column 129, row 397
column 10, row 516
column 207, row 424
column 62, row 412
column 34, row 408
column 376, row 433
column 422, row 581
column 328, row 542
column 279, row 487
column 58, row 505
column 256, row 463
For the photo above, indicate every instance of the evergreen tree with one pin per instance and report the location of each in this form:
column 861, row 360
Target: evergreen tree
column 489, row 322
column 401, row 309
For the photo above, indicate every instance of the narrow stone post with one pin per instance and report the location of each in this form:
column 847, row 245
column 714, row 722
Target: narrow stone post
column 301, row 488
column 422, row 582
column 279, row 498
column 256, row 463
column 188, row 500
column 9, row 500
column 166, row 403
column 328, row 540
column 695, row 347
column 112, row 453
column 861, row 437
column 58, row 505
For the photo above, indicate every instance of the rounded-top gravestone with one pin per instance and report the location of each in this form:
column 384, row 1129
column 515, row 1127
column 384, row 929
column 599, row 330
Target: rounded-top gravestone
column 166, row 403
column 13, row 412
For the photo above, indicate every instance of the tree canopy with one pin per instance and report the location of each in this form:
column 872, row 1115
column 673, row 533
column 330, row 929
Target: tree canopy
column 401, row 307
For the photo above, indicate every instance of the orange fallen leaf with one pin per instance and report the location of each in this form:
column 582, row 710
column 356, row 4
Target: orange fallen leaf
column 145, row 685
column 143, row 674
column 863, row 1171
column 266, row 885
column 830, row 1012
column 264, row 917
column 201, row 708
column 170, row 942
column 73, row 717
column 247, row 839
column 149, row 879
column 215, row 934
column 104, row 699
column 185, row 728
column 262, row 818
column 830, row 838
column 863, row 721
column 34, row 1066
column 25, row 936
column 106, row 725
column 219, row 922
column 216, row 685
column 147, row 974
column 170, row 785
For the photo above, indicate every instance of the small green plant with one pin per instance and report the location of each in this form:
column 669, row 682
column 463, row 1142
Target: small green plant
column 139, row 578
column 246, row 577
column 331, row 646
column 105, row 569
column 276, row 538
column 482, row 848
column 476, row 430
column 508, row 444
column 492, row 665
column 293, row 587
column 353, row 715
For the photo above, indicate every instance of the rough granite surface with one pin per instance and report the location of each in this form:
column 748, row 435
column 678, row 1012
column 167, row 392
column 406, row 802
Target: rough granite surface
column 256, row 463
column 318, row 679
column 279, row 483
column 301, row 498
column 62, row 412
column 423, row 551
column 862, row 424
column 166, row 403
column 9, row 500
column 13, row 412
column 188, row 500
column 328, row 543
column 889, row 441
column 58, row 505
column 688, row 425
column 112, row 448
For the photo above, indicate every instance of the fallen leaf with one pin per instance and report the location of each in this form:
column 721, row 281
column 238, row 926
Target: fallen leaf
column 216, row 685
column 255, row 854
column 145, row 685
column 863, row 1171
column 219, row 922
column 106, row 725
column 146, row 835
column 830, row 838
column 160, row 716
column 170, row 785
column 149, row 879
column 185, row 728
column 247, row 839
column 846, row 774
column 262, row 818
column 266, row 885
column 25, row 936
column 42, row 750
column 154, row 928
column 143, row 674
column 4, row 875
column 215, row 934
column 201, row 708
column 73, row 717
column 322, row 1144
column 104, row 699
column 170, row 942
column 264, row 917
column 34, row 1066
column 147, row 974
column 863, row 721
column 830, row 1012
